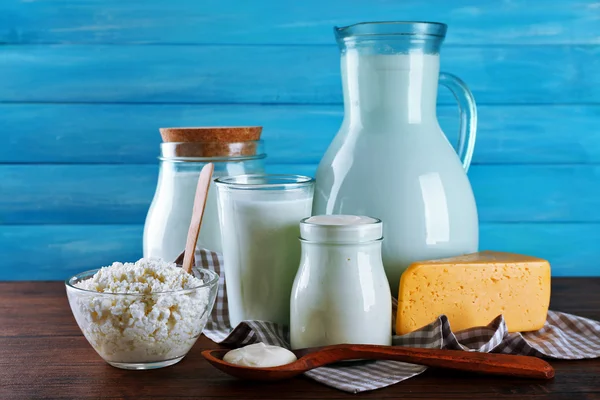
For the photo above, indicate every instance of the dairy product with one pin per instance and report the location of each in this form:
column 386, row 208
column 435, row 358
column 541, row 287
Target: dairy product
column 472, row 290
column 340, row 293
column 260, row 355
column 168, row 220
column 144, row 276
column 335, row 220
column 183, row 154
column 261, row 251
column 261, row 254
column 140, row 312
column 339, row 229
column 391, row 160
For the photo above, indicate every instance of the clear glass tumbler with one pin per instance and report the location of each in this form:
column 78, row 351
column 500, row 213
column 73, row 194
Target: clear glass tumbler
column 260, row 217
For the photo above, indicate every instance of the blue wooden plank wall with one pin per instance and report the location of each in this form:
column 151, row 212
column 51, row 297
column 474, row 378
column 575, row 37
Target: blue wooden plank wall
column 84, row 86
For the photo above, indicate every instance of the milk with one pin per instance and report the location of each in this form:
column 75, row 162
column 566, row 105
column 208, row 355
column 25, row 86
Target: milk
column 170, row 213
column 383, row 92
column 391, row 160
column 261, row 251
column 340, row 293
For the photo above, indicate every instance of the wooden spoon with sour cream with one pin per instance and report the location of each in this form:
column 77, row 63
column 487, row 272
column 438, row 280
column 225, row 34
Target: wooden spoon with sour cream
column 482, row 363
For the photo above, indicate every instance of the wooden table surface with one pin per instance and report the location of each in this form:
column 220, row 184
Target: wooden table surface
column 44, row 355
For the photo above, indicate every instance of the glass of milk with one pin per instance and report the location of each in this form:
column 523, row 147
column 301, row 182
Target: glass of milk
column 168, row 219
column 260, row 217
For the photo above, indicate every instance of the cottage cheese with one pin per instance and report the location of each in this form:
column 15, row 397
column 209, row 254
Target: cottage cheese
column 148, row 322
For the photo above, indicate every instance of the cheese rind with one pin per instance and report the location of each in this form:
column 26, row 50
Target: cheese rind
column 473, row 289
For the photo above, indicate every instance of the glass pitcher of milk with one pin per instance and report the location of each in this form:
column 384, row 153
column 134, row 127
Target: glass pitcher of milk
column 390, row 159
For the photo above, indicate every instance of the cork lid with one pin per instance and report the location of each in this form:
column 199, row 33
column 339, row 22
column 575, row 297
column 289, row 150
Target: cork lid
column 219, row 141
column 222, row 134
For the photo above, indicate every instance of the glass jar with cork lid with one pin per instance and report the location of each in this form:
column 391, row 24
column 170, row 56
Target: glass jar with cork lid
column 184, row 151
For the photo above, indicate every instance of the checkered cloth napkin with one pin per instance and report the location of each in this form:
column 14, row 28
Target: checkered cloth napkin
column 564, row 336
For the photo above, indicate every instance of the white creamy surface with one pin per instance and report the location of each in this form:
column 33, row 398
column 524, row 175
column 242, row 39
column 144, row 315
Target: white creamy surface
column 260, row 355
column 261, row 251
column 390, row 160
column 136, row 329
column 340, row 229
column 340, row 220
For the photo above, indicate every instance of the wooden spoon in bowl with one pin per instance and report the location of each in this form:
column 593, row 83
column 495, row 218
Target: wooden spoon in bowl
column 483, row 363
column 197, row 213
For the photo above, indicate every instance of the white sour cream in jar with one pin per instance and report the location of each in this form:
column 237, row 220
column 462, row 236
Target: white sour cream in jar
column 260, row 355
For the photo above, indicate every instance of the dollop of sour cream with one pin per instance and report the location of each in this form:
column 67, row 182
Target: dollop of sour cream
column 260, row 355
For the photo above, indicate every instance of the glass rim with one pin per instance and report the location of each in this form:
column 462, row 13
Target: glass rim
column 392, row 28
column 212, row 159
column 169, row 151
column 285, row 182
column 369, row 232
column 69, row 282
column 340, row 243
column 338, row 226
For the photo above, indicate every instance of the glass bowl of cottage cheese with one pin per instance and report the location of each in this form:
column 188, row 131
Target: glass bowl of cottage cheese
column 142, row 315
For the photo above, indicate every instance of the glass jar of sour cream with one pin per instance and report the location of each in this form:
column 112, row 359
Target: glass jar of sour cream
column 232, row 150
column 341, row 293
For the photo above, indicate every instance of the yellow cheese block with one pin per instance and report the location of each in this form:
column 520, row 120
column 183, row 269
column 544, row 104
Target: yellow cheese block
column 473, row 289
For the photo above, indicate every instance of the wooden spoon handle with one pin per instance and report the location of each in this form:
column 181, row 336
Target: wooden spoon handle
column 484, row 363
column 197, row 213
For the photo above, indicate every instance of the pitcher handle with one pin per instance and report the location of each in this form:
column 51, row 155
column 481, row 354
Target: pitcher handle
column 468, row 117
